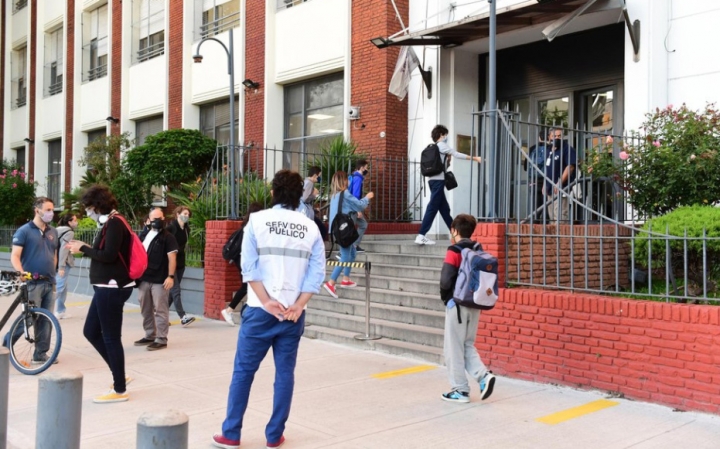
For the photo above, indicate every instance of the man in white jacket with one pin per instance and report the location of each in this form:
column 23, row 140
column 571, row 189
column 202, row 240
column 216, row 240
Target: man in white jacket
column 283, row 261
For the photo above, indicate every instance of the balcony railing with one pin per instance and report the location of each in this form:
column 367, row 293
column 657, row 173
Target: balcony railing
column 19, row 4
column 97, row 72
column 150, row 52
column 219, row 25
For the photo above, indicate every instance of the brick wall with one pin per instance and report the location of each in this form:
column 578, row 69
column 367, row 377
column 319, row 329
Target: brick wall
column 221, row 278
column 254, row 126
column 32, row 54
column 651, row 351
column 492, row 238
column 69, row 91
column 599, row 254
column 175, row 64
column 116, row 66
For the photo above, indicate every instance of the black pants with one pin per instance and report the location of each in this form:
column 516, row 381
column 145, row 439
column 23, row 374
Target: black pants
column 240, row 294
column 175, row 292
column 103, row 329
column 321, row 226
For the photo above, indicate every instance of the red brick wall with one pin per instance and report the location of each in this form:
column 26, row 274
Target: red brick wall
column 492, row 238
column 175, row 64
column 254, row 126
column 652, row 351
column 116, row 66
column 32, row 54
column 221, row 278
column 380, row 111
column 69, row 90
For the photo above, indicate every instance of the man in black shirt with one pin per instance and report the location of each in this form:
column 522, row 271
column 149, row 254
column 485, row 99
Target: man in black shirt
column 156, row 282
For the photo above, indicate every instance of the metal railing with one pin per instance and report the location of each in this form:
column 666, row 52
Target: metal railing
column 151, row 51
column 97, row 72
column 396, row 182
column 584, row 234
column 19, row 4
column 219, row 25
column 284, row 4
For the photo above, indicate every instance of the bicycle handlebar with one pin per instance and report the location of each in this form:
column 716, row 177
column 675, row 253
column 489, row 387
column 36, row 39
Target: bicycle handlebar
column 26, row 276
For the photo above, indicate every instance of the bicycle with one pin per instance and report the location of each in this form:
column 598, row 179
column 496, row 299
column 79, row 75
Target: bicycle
column 26, row 329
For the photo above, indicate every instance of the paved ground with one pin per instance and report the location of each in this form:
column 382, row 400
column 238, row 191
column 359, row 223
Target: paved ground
column 344, row 398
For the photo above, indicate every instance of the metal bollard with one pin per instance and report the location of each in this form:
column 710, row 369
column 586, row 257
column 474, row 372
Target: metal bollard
column 59, row 410
column 367, row 335
column 4, row 381
column 162, row 430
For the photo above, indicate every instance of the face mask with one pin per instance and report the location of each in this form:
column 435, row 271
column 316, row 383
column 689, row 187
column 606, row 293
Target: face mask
column 47, row 217
column 557, row 143
column 94, row 215
column 364, row 172
column 157, row 223
column 183, row 218
column 319, row 179
column 445, row 139
column 73, row 225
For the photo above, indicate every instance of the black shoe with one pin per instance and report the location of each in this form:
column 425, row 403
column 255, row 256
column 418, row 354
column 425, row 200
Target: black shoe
column 144, row 342
column 39, row 360
column 187, row 320
column 359, row 250
column 155, row 346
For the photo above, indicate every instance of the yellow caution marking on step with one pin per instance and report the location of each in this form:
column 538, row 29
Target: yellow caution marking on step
column 77, row 304
column 576, row 412
column 402, row 372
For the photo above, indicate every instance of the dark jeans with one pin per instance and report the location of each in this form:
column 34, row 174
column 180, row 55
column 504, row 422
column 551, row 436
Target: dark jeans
column 321, row 226
column 240, row 294
column 438, row 203
column 175, row 292
column 41, row 294
column 103, row 329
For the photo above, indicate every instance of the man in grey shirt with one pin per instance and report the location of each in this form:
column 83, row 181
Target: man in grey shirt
column 309, row 195
column 438, row 202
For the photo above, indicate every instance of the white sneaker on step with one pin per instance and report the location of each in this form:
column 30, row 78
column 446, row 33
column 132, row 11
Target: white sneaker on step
column 422, row 240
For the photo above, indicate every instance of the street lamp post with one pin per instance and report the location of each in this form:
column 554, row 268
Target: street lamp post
column 231, row 71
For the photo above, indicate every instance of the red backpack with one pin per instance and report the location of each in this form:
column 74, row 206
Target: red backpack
column 138, row 257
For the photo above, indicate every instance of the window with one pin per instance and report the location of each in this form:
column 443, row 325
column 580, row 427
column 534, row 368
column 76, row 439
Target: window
column 284, row 4
column 54, row 170
column 18, row 5
column 148, row 29
column 20, row 157
column 313, row 115
column 53, row 62
column 19, row 78
column 95, row 43
column 147, row 127
column 92, row 136
column 215, row 121
column 215, row 16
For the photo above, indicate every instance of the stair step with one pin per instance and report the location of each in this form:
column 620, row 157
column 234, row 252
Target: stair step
column 384, row 296
column 427, row 261
column 398, row 314
column 412, row 333
column 407, row 272
column 405, row 247
column 393, row 283
column 395, row 347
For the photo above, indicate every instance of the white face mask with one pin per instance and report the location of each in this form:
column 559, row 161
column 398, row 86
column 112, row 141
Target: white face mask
column 183, row 218
column 47, row 217
column 94, row 215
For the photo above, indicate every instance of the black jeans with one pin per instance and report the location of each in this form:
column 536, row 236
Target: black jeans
column 240, row 294
column 175, row 292
column 103, row 329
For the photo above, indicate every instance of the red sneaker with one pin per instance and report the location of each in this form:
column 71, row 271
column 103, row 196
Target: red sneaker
column 225, row 443
column 348, row 284
column 277, row 444
column 330, row 289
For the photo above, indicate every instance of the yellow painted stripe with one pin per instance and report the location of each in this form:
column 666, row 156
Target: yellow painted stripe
column 576, row 412
column 402, row 372
column 77, row 304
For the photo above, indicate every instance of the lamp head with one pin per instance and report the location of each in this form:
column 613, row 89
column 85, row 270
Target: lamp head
column 250, row 84
column 198, row 59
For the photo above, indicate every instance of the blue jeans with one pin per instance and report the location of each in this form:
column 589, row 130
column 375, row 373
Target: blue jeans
column 103, row 329
column 258, row 333
column 61, row 289
column 346, row 255
column 41, row 294
column 438, row 203
column 361, row 224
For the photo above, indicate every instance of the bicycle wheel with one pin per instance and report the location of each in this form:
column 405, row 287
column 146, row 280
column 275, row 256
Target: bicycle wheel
column 23, row 351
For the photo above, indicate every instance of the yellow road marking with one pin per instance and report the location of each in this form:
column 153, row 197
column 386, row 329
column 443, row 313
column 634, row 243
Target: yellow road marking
column 575, row 412
column 77, row 304
column 402, row 372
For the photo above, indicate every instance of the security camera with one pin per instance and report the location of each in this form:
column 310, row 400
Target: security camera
column 353, row 113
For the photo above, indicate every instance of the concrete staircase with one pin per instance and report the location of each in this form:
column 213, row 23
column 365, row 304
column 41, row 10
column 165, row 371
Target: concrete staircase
column 405, row 306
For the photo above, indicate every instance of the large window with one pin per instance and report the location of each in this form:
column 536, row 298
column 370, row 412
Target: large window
column 92, row 136
column 215, row 16
column 148, row 29
column 147, row 127
column 19, row 78
column 313, row 114
column 53, row 62
column 54, row 170
column 20, row 157
column 95, row 43
column 215, row 121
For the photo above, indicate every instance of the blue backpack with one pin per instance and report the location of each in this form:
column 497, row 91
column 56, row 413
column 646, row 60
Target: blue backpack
column 476, row 286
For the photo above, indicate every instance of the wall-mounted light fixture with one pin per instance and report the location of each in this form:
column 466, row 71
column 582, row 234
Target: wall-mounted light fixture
column 113, row 119
column 29, row 140
column 250, row 84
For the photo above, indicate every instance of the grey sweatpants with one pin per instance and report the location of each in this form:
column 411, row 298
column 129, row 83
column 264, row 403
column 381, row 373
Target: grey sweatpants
column 459, row 348
column 155, row 311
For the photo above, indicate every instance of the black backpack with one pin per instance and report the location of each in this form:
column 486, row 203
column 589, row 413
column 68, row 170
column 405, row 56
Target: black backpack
column 343, row 227
column 232, row 248
column 431, row 161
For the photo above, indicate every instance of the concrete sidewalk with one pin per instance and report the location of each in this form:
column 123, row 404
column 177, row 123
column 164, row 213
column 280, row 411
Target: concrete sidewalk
column 344, row 398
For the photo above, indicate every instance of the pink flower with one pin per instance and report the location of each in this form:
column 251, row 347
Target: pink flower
column 608, row 140
column 692, row 157
column 657, row 144
column 670, row 106
column 14, row 185
column 623, row 155
column 14, row 172
column 2, row 176
column 4, row 170
column 22, row 175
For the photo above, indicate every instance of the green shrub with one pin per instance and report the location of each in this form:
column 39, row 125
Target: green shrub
column 337, row 154
column 17, row 194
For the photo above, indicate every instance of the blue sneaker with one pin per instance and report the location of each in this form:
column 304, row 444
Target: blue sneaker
column 486, row 385
column 456, row 396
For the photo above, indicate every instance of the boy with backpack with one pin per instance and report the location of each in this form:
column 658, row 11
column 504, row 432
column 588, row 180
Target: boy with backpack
column 356, row 188
column 461, row 321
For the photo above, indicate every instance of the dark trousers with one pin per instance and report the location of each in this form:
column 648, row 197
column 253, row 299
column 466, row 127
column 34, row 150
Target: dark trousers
column 103, row 329
column 321, row 227
column 438, row 203
column 175, row 292
column 240, row 294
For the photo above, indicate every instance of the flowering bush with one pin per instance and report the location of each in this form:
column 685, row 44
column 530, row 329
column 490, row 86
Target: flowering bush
column 673, row 162
column 16, row 196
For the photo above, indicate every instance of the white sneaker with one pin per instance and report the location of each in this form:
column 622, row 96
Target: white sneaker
column 62, row 315
column 228, row 317
column 422, row 240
